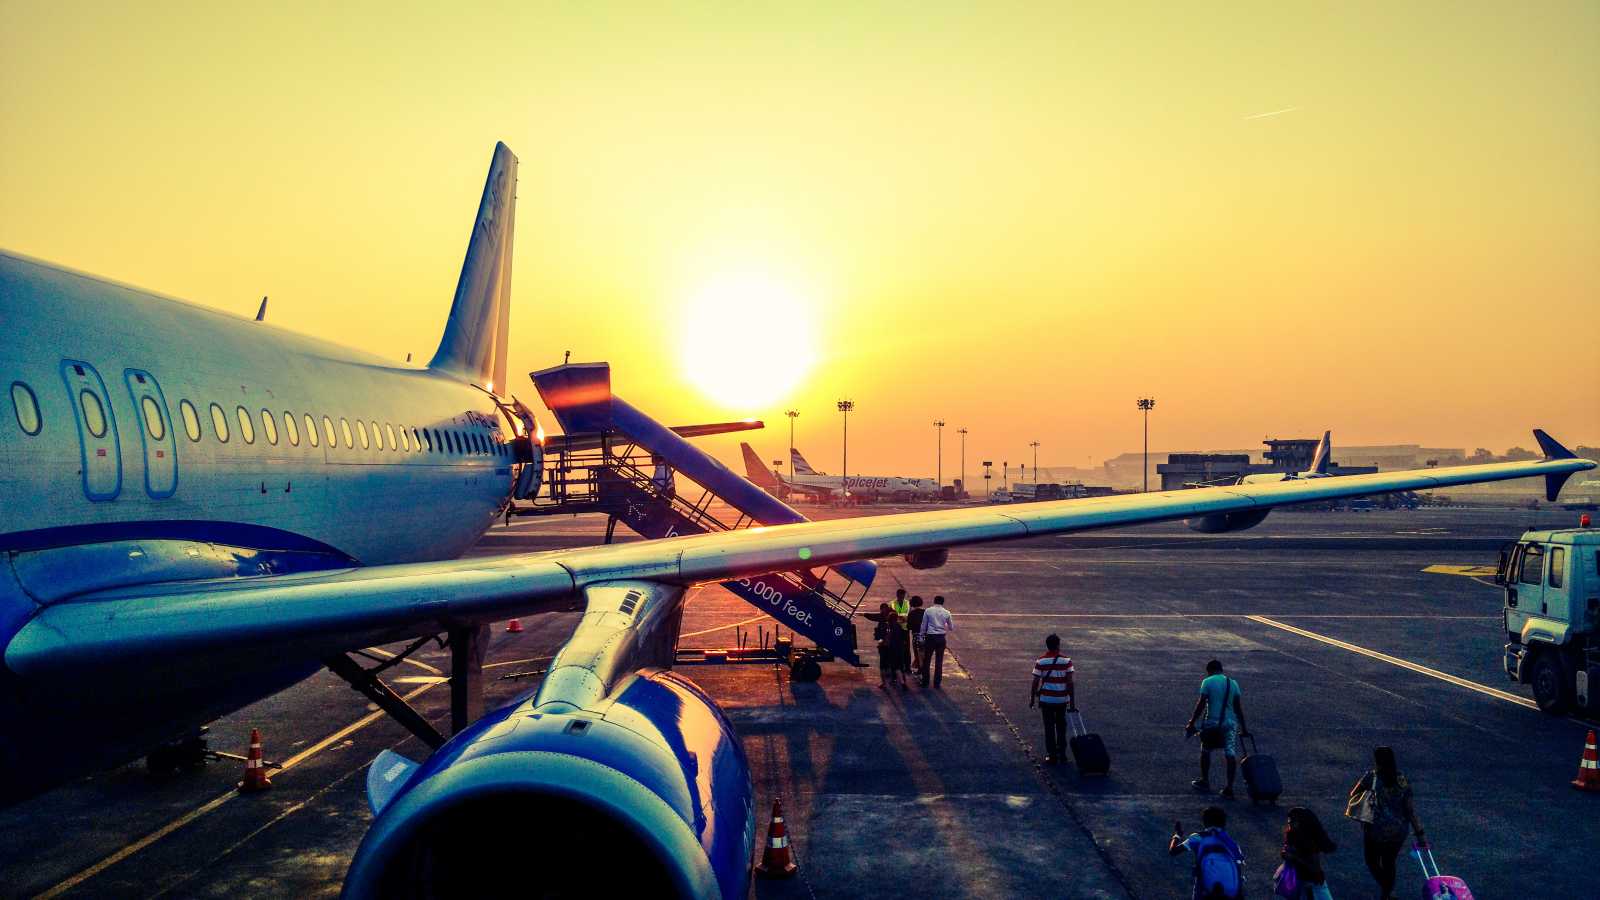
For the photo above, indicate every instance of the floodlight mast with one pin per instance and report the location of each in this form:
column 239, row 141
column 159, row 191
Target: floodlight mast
column 844, row 476
column 1146, row 404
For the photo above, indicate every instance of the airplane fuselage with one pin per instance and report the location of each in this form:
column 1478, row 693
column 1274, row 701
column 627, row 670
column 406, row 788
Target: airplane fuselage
column 145, row 439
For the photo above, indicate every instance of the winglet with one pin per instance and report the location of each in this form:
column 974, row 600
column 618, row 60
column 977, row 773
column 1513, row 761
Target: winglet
column 1552, row 449
column 261, row 314
column 1319, row 462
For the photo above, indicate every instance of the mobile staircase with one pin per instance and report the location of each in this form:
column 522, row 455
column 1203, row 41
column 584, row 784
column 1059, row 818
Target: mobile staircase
column 615, row 460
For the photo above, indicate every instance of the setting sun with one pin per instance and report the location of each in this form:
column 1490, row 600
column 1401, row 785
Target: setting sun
column 747, row 339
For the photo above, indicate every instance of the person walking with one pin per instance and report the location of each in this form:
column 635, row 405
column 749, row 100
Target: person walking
column 1304, row 842
column 887, row 634
column 914, row 628
column 1218, row 863
column 936, row 628
column 1381, row 801
column 1223, row 724
column 902, row 611
column 1053, row 693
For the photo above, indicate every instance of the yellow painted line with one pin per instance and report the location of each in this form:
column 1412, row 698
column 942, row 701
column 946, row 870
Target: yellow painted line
column 723, row 627
column 1402, row 663
column 415, row 662
column 1469, row 571
column 212, row 805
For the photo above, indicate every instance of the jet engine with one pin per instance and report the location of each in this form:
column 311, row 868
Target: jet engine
column 647, row 794
column 1218, row 523
column 927, row 559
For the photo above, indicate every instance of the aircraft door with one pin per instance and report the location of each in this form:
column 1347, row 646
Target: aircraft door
column 97, row 430
column 155, row 434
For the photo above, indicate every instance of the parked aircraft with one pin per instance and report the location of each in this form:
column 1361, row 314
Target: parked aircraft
column 805, row 480
column 200, row 510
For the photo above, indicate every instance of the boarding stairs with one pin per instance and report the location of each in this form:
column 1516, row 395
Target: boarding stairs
column 632, row 476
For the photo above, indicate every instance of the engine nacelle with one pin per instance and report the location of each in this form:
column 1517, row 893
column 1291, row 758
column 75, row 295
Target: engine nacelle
column 649, row 796
column 928, row 559
column 1217, row 523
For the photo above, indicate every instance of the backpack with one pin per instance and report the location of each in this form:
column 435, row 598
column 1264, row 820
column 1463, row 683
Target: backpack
column 1216, row 872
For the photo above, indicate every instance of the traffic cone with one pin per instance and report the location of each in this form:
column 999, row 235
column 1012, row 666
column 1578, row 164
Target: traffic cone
column 255, row 774
column 777, row 861
column 514, row 626
column 1589, row 767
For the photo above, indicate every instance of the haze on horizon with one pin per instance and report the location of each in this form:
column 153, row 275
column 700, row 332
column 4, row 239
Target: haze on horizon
column 1380, row 219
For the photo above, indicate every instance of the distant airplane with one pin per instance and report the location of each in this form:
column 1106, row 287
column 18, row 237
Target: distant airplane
column 809, row 482
column 200, row 510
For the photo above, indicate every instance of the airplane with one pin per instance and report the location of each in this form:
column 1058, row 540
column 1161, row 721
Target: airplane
column 820, row 486
column 200, row 510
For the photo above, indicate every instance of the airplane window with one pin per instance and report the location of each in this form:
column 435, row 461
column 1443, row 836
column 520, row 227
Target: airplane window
column 269, row 426
column 26, row 406
column 361, row 429
column 344, row 428
column 388, row 428
column 1558, row 566
column 426, row 433
column 416, row 438
column 377, row 435
column 290, row 428
column 191, row 420
column 247, row 428
column 94, row 415
column 154, row 422
column 405, row 439
column 327, row 428
column 450, row 438
column 219, row 423
column 311, row 430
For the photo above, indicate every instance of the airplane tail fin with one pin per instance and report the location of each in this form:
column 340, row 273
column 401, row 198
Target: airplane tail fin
column 474, row 344
column 1553, row 450
column 1319, row 462
column 798, row 464
column 755, row 470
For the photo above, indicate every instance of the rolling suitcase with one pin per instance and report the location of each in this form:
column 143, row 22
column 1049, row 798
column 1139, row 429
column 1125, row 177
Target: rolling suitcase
column 1261, row 779
column 1088, row 751
column 1434, row 885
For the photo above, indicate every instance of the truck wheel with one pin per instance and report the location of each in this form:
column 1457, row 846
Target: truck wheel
column 1552, row 690
column 805, row 669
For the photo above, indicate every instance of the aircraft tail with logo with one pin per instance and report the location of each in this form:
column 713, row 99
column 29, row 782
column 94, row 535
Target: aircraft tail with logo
column 798, row 464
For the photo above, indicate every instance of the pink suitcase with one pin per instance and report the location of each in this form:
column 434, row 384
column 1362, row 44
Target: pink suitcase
column 1436, row 886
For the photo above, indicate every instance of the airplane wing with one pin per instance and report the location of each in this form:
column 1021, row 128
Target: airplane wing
column 307, row 617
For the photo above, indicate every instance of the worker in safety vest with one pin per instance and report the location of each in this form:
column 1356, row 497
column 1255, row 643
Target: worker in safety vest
column 901, row 607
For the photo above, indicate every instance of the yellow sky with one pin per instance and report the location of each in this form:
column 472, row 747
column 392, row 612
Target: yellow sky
column 1016, row 219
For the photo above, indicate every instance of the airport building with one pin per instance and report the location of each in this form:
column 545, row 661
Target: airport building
column 1187, row 469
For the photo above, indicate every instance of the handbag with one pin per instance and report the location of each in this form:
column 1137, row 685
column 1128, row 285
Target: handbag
column 1212, row 737
column 1286, row 881
column 1363, row 807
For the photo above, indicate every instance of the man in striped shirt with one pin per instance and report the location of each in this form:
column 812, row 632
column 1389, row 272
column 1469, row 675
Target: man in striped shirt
column 1052, row 692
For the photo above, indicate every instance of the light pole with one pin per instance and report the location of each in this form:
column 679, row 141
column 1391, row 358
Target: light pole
column 988, row 467
column 792, row 414
column 963, row 433
column 1035, row 446
column 844, row 477
column 777, row 491
column 1146, row 404
column 938, row 476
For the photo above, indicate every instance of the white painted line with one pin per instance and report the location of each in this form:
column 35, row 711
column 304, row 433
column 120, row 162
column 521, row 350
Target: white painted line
column 213, row 804
column 415, row 662
column 1402, row 663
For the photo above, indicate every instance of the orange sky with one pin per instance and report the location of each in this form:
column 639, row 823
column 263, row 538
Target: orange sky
column 1276, row 218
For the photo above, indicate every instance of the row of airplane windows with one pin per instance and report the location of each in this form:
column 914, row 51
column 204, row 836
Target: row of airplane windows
column 382, row 437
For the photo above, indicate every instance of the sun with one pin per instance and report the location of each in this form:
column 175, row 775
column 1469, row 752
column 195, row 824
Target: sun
column 747, row 339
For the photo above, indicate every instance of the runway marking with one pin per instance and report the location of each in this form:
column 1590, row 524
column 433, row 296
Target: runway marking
column 214, row 803
column 1402, row 663
column 415, row 662
column 722, row 627
column 1469, row 571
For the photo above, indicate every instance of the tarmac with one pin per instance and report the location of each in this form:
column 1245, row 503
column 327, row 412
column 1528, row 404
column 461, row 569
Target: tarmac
column 1344, row 630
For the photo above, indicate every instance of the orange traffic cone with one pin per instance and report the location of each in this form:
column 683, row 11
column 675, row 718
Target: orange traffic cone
column 514, row 626
column 1589, row 767
column 777, row 861
column 255, row 774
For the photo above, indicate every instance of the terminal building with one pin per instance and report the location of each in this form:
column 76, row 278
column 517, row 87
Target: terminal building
column 1183, row 470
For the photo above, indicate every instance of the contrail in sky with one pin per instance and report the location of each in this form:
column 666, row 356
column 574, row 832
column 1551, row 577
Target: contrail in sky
column 1276, row 112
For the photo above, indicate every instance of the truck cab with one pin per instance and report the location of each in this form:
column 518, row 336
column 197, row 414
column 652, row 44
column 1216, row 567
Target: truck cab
column 1551, row 581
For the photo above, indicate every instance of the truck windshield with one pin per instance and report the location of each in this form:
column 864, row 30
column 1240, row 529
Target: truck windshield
column 1532, row 564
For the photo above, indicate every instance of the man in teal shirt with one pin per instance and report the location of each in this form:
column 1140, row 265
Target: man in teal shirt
column 1223, row 724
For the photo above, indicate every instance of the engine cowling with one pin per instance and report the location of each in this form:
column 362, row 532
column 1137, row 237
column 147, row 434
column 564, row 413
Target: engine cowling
column 927, row 559
column 647, row 795
column 1218, row 523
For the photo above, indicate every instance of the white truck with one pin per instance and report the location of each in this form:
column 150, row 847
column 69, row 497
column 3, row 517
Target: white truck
column 1552, row 617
